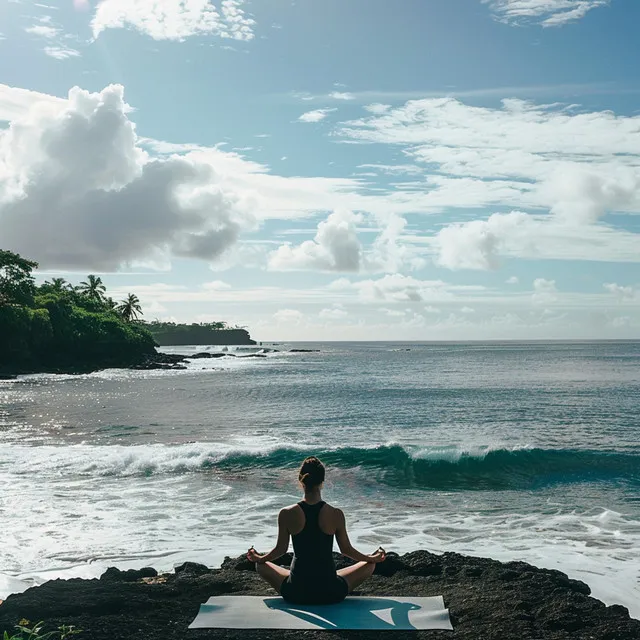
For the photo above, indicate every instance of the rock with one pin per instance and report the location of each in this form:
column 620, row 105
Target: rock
column 166, row 361
column 304, row 350
column 131, row 575
column 488, row 600
column 192, row 569
column 205, row 355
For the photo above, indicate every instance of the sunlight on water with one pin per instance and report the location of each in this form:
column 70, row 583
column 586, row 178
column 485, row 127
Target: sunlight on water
column 445, row 447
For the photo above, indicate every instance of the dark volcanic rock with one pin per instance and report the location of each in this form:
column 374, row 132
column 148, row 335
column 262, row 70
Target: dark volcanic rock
column 131, row 575
column 206, row 355
column 170, row 361
column 488, row 600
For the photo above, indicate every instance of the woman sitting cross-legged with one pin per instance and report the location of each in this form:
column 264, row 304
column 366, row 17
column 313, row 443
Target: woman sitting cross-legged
column 312, row 524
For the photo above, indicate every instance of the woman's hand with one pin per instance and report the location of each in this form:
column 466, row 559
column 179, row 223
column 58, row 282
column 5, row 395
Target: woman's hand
column 379, row 556
column 254, row 556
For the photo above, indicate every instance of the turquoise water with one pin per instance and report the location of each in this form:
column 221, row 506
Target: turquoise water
column 528, row 451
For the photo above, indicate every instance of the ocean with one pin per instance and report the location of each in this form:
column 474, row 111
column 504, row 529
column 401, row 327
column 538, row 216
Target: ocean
column 527, row 451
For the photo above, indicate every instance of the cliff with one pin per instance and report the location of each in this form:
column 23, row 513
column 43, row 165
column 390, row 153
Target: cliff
column 187, row 334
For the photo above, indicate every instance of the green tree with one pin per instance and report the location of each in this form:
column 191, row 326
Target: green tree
column 93, row 288
column 130, row 308
column 17, row 285
column 57, row 285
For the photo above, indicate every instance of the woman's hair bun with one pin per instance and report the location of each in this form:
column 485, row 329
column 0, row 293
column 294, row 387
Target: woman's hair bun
column 311, row 473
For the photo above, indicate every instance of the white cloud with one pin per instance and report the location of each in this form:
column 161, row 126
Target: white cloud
column 395, row 169
column 175, row 19
column 477, row 244
column 288, row 316
column 548, row 13
column 315, row 116
column 621, row 292
column 400, row 288
column 341, row 95
column 43, row 31
column 335, row 247
column 377, row 109
column 579, row 166
column 333, row 314
column 512, row 280
column 544, row 291
column 216, row 285
column 61, row 53
column 520, row 141
column 15, row 102
column 77, row 174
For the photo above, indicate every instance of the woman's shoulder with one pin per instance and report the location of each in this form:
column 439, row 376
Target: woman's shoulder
column 290, row 508
column 332, row 509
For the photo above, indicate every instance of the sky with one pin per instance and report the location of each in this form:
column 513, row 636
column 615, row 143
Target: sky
column 332, row 169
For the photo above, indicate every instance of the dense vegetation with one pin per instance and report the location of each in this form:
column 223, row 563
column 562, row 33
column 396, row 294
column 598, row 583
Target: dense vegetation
column 219, row 333
column 57, row 326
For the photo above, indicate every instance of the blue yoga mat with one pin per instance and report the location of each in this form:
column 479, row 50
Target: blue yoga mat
column 374, row 614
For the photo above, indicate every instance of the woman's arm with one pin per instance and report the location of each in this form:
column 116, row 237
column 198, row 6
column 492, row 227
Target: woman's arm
column 282, row 543
column 346, row 548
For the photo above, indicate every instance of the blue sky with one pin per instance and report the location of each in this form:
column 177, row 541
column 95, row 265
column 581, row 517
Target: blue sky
column 431, row 169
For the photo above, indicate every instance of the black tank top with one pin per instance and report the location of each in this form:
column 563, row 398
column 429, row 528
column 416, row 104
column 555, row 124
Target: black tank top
column 312, row 548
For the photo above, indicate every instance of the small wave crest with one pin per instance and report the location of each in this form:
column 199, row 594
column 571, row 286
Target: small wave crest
column 446, row 468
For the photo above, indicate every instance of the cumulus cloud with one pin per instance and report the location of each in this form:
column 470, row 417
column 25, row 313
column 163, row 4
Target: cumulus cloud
column 175, row 19
column 548, row 13
column 16, row 102
column 582, row 195
column 77, row 175
column 578, row 166
column 315, row 116
column 478, row 243
column 621, row 292
column 544, row 291
column 336, row 247
column 512, row 280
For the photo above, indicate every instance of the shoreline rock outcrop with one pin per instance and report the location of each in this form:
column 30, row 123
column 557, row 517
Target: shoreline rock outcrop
column 487, row 599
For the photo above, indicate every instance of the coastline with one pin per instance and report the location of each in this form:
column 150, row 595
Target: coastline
column 487, row 599
column 158, row 360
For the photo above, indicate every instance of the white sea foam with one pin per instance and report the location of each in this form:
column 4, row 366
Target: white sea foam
column 85, row 507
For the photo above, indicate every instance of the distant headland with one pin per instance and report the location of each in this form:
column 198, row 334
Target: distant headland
column 218, row 333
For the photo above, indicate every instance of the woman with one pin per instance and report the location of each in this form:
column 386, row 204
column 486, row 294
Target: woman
column 312, row 524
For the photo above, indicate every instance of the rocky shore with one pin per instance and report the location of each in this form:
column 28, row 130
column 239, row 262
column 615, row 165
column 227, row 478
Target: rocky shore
column 487, row 599
column 158, row 360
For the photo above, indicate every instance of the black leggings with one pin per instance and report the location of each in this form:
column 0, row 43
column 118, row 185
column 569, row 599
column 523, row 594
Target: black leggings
column 329, row 591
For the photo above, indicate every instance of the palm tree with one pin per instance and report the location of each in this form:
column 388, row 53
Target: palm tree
column 130, row 308
column 93, row 288
column 58, row 285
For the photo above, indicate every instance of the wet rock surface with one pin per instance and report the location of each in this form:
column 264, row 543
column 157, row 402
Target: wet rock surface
column 487, row 599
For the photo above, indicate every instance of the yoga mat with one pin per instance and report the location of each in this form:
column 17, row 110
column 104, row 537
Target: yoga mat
column 375, row 614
